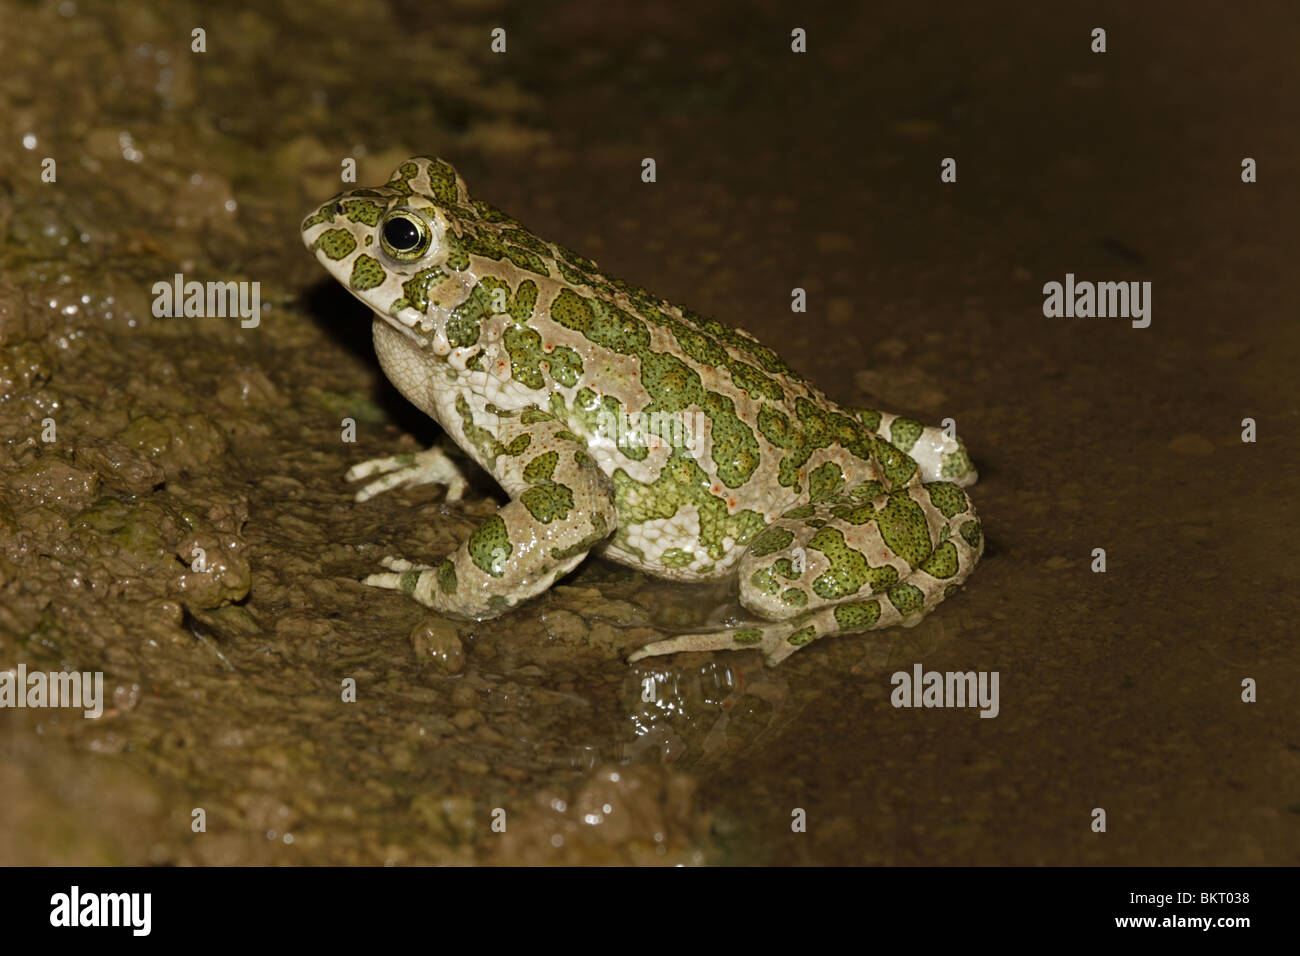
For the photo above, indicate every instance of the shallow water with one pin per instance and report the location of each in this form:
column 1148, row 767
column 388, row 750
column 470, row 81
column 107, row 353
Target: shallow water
column 1118, row 690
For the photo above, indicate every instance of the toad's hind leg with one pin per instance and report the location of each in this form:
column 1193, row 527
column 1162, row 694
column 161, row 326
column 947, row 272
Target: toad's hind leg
column 859, row 562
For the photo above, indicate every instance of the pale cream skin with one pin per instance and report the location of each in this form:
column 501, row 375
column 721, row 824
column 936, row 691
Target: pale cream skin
column 621, row 424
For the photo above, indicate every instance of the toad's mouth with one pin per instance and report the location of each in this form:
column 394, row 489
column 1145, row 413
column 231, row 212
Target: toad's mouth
column 429, row 335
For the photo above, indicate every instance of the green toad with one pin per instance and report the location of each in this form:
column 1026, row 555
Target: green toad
column 623, row 425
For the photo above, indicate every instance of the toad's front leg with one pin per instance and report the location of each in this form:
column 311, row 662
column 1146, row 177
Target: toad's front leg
column 433, row 466
column 561, row 505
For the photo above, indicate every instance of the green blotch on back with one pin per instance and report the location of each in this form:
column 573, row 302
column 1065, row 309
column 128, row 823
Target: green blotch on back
column 970, row 530
column 574, row 259
column 867, row 416
column 943, row 562
column 947, row 497
column 734, row 448
column 463, row 323
column 523, row 303
column 482, row 242
column 570, row 274
column 697, row 345
column 858, row 616
column 489, row 546
column 767, row 359
column 527, row 259
column 855, row 514
column 457, row 255
column 869, row 490
column 813, row 428
column 898, row 468
column 826, row 481
column 604, row 324
column 489, row 213
column 602, row 415
column 572, row 311
column 672, row 384
column 489, row 297
column 904, row 432
column 565, row 365
column 754, row 382
column 523, row 237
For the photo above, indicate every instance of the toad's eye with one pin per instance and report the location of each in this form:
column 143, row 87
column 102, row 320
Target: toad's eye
column 404, row 236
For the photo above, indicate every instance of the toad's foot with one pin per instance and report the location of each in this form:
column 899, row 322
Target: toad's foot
column 431, row 466
column 776, row 641
column 397, row 568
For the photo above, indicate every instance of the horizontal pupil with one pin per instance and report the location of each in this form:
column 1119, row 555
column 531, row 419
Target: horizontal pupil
column 401, row 234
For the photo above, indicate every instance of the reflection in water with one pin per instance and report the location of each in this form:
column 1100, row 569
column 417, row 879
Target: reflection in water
column 703, row 716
